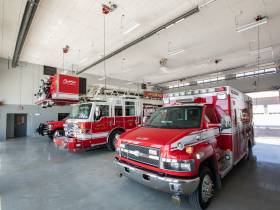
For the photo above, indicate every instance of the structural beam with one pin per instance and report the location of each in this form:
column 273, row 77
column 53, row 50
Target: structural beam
column 142, row 38
column 29, row 12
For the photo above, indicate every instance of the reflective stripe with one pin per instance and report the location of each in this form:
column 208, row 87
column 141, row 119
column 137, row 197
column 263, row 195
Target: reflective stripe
column 197, row 137
column 92, row 136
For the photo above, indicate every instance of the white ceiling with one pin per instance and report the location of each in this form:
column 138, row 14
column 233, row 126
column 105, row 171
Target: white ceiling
column 206, row 36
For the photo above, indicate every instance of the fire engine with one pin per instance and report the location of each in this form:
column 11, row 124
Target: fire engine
column 190, row 144
column 52, row 128
column 100, row 121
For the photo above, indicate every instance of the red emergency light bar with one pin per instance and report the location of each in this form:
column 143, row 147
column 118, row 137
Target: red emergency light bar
column 200, row 100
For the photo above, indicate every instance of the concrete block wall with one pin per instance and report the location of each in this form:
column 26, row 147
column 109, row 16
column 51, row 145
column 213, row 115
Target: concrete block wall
column 33, row 121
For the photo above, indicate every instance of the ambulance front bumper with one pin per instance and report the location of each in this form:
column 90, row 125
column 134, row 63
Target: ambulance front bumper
column 179, row 186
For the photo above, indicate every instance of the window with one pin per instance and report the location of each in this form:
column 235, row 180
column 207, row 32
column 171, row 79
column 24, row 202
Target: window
column 271, row 70
column 221, row 78
column 176, row 117
column 211, row 115
column 206, row 81
column 101, row 111
column 250, row 73
column 62, row 116
column 273, row 109
column 129, row 108
column 239, row 75
column 118, row 111
column 81, row 111
column 258, row 109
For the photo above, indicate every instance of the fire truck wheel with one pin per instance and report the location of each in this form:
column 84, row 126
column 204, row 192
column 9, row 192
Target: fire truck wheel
column 201, row 198
column 112, row 139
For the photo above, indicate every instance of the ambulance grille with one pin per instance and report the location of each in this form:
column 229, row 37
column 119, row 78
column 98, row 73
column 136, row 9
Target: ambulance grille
column 141, row 154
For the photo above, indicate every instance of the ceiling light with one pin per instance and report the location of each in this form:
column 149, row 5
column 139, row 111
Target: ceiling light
column 176, row 52
column 83, row 60
column 37, row 114
column 133, row 27
column 206, row 3
column 164, row 69
column 170, row 26
column 263, row 50
column 102, row 78
column 180, row 20
column 254, row 24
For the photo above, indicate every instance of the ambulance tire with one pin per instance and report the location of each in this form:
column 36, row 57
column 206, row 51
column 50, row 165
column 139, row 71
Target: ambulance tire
column 112, row 139
column 199, row 199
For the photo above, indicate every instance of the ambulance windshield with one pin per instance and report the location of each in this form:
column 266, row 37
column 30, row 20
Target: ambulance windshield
column 81, row 111
column 180, row 117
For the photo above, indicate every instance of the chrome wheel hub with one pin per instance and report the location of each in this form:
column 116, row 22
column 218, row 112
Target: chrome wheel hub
column 207, row 188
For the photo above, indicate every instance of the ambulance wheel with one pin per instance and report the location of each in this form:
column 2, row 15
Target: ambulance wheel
column 112, row 140
column 201, row 198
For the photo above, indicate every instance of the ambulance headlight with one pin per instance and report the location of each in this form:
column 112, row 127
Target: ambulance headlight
column 177, row 165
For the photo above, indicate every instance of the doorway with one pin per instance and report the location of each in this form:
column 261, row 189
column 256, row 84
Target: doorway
column 16, row 125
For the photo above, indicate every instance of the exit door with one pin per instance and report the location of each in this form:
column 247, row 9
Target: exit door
column 20, row 125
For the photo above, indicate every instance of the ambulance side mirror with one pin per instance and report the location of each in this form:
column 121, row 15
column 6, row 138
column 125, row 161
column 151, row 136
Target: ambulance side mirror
column 225, row 122
column 205, row 124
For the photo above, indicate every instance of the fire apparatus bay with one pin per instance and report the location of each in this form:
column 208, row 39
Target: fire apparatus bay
column 186, row 148
column 99, row 122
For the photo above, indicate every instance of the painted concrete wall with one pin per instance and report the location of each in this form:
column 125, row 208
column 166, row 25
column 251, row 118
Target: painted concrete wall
column 18, row 85
column 33, row 121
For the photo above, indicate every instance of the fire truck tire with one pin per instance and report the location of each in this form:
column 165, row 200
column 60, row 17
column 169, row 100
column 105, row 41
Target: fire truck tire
column 112, row 139
column 201, row 198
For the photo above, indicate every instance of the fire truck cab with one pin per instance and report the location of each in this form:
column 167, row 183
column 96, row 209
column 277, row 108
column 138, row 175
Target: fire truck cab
column 99, row 122
column 190, row 144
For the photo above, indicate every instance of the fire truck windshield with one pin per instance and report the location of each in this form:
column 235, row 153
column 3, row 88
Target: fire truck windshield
column 181, row 117
column 81, row 111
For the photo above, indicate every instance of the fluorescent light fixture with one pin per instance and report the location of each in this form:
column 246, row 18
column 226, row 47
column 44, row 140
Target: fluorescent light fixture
column 252, row 25
column 170, row 26
column 102, row 78
column 180, row 20
column 164, row 69
column 37, row 114
column 176, row 52
column 83, row 60
column 133, row 27
column 264, row 50
column 206, row 3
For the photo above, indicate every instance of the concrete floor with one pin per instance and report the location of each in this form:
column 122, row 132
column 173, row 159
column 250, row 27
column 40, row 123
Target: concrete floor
column 34, row 175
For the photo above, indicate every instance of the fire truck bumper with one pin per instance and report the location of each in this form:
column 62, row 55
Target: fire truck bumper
column 164, row 184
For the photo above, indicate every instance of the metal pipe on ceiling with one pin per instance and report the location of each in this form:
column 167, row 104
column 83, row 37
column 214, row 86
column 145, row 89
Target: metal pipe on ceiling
column 142, row 38
column 29, row 12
